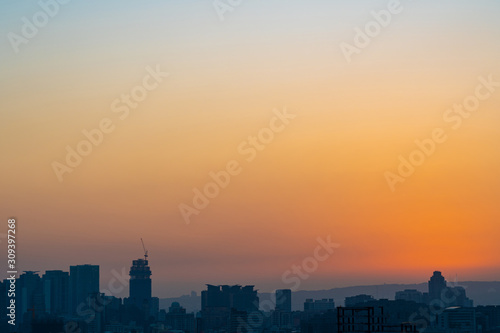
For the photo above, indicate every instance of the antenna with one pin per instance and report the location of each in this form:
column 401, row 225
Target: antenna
column 145, row 251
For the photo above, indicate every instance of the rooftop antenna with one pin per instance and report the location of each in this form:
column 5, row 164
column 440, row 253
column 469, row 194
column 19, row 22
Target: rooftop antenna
column 145, row 251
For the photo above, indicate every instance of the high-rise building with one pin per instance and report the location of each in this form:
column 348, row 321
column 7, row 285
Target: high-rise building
column 437, row 284
column 282, row 315
column 221, row 303
column 140, row 284
column 56, row 292
column 29, row 295
column 236, row 297
column 83, row 281
column 410, row 295
column 284, row 300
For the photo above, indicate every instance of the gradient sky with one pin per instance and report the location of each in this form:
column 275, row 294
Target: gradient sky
column 323, row 175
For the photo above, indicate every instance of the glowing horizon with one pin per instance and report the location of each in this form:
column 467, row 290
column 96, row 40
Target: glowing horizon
column 322, row 173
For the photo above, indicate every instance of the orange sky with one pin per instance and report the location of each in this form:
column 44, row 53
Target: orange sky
column 323, row 174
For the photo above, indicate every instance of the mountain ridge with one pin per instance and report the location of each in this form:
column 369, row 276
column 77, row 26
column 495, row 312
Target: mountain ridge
column 481, row 292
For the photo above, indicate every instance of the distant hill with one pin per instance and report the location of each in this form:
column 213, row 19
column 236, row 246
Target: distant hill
column 482, row 293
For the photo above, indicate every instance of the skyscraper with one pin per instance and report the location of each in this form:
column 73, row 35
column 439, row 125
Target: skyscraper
column 30, row 294
column 140, row 284
column 284, row 300
column 437, row 284
column 56, row 292
column 83, row 280
column 237, row 297
column 282, row 315
column 218, row 303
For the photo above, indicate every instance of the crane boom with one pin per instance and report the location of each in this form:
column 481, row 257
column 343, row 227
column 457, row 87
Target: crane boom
column 145, row 251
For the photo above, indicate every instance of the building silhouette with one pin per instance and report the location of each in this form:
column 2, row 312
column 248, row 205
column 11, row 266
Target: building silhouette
column 48, row 304
column 83, row 281
column 369, row 319
column 56, row 292
column 360, row 319
column 47, row 325
column 140, row 284
column 437, row 284
column 113, row 307
column 397, row 312
column 282, row 314
column 319, row 305
column 29, row 297
column 458, row 320
column 96, row 322
column 357, row 300
column 488, row 318
column 177, row 319
column 140, row 308
column 232, row 297
column 284, row 300
column 217, row 303
column 325, row 322
column 410, row 295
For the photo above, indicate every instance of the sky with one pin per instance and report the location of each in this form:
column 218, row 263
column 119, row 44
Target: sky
column 334, row 112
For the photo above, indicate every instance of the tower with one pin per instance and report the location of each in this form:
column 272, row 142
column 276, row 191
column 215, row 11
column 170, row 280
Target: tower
column 437, row 284
column 284, row 300
column 140, row 282
column 83, row 280
column 56, row 292
column 140, row 285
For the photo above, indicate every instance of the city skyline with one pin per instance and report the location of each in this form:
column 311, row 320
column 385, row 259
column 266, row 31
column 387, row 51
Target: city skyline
column 289, row 144
column 84, row 279
column 58, row 300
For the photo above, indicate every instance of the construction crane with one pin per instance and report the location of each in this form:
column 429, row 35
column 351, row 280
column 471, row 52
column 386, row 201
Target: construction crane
column 145, row 251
